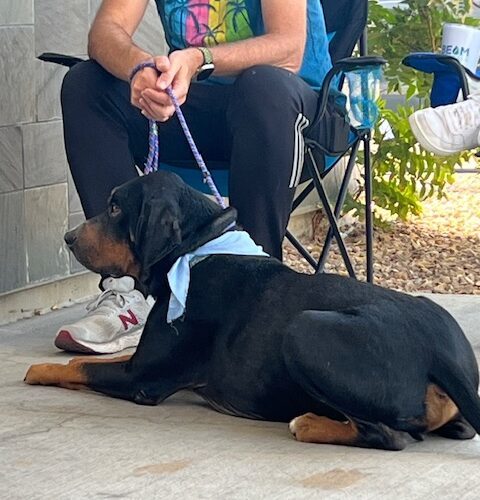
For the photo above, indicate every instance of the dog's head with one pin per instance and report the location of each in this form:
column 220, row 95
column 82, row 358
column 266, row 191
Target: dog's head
column 147, row 220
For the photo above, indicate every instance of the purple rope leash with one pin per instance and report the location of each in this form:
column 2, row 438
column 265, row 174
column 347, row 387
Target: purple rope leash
column 151, row 164
column 207, row 177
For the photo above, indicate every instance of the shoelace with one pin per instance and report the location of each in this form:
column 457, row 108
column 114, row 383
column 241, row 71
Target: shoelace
column 105, row 301
column 464, row 115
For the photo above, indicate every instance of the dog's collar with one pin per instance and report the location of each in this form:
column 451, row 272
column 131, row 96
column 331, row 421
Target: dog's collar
column 228, row 243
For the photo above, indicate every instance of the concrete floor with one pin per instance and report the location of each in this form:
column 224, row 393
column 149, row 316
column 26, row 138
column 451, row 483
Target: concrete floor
column 61, row 444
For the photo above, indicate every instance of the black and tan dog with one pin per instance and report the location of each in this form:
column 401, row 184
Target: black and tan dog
column 350, row 363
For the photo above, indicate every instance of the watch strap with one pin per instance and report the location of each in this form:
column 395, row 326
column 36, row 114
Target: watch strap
column 207, row 55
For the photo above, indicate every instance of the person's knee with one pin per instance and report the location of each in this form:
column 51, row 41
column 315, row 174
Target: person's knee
column 85, row 82
column 265, row 83
column 261, row 92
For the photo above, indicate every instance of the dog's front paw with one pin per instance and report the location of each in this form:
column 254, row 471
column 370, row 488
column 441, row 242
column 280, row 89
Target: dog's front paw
column 70, row 376
column 301, row 426
column 37, row 374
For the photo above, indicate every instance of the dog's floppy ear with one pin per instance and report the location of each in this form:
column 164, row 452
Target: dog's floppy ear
column 156, row 231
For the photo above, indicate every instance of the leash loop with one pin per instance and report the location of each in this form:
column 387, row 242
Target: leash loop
column 151, row 165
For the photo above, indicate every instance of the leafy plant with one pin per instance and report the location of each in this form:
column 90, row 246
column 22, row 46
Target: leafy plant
column 413, row 26
column 404, row 174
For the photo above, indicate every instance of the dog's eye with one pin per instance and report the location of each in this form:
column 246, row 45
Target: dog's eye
column 114, row 210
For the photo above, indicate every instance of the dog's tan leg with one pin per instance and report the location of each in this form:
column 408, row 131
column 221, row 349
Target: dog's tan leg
column 88, row 359
column 440, row 409
column 116, row 377
column 70, row 376
column 311, row 428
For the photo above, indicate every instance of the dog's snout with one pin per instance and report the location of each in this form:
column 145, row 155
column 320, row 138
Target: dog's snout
column 70, row 237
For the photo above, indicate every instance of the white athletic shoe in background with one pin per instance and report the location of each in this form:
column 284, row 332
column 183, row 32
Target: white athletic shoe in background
column 114, row 320
column 450, row 129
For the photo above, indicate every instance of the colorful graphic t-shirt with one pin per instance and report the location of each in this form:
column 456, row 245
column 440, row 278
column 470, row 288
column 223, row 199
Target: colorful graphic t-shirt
column 190, row 23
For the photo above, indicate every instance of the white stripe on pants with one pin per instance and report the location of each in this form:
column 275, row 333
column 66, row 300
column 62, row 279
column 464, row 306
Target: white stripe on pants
column 301, row 123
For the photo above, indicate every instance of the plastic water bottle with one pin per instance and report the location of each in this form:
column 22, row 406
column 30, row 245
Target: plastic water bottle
column 364, row 90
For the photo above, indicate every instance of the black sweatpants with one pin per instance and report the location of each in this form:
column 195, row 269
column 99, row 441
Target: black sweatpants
column 256, row 125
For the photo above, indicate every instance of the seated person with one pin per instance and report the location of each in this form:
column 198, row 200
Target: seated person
column 252, row 113
column 450, row 129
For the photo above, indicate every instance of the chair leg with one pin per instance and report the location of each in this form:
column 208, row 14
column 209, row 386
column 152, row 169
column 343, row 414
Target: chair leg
column 368, row 209
column 336, row 232
column 301, row 197
column 294, row 241
column 338, row 206
column 368, row 184
column 330, row 215
column 301, row 249
column 363, row 43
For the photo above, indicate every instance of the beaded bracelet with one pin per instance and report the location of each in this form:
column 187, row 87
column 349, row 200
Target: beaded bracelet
column 139, row 67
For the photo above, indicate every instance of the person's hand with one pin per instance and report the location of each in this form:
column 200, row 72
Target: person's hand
column 177, row 71
column 144, row 79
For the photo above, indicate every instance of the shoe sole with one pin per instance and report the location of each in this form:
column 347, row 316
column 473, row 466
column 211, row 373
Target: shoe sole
column 65, row 342
column 421, row 137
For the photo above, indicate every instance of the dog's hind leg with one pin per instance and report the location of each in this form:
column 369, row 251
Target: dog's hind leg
column 311, row 428
column 342, row 360
column 458, row 428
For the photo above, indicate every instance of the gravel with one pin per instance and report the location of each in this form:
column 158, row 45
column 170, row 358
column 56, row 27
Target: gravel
column 438, row 252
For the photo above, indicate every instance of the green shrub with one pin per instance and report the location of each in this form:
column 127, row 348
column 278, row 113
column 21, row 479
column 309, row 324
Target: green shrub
column 404, row 175
column 413, row 26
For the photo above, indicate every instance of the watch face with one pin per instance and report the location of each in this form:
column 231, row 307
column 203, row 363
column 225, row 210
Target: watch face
column 205, row 71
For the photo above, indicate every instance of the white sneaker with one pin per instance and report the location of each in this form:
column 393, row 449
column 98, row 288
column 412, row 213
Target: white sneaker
column 114, row 320
column 448, row 129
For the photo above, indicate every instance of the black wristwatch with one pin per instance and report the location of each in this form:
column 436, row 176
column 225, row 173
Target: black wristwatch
column 207, row 67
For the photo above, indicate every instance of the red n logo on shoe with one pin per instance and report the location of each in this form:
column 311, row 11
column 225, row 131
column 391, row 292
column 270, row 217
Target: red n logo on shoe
column 131, row 318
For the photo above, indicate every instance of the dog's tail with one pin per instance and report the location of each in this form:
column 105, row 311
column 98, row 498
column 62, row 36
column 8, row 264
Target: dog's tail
column 462, row 391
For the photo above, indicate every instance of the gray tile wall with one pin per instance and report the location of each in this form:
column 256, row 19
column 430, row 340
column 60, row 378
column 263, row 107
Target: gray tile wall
column 38, row 201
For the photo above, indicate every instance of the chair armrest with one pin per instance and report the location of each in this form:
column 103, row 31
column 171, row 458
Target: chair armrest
column 344, row 66
column 353, row 63
column 62, row 59
column 430, row 62
column 441, row 64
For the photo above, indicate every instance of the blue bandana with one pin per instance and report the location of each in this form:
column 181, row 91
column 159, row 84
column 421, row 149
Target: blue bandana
column 229, row 243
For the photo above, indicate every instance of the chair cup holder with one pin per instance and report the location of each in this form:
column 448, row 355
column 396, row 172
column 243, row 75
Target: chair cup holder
column 363, row 94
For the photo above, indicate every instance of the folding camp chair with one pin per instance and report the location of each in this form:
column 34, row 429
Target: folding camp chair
column 345, row 21
column 451, row 80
